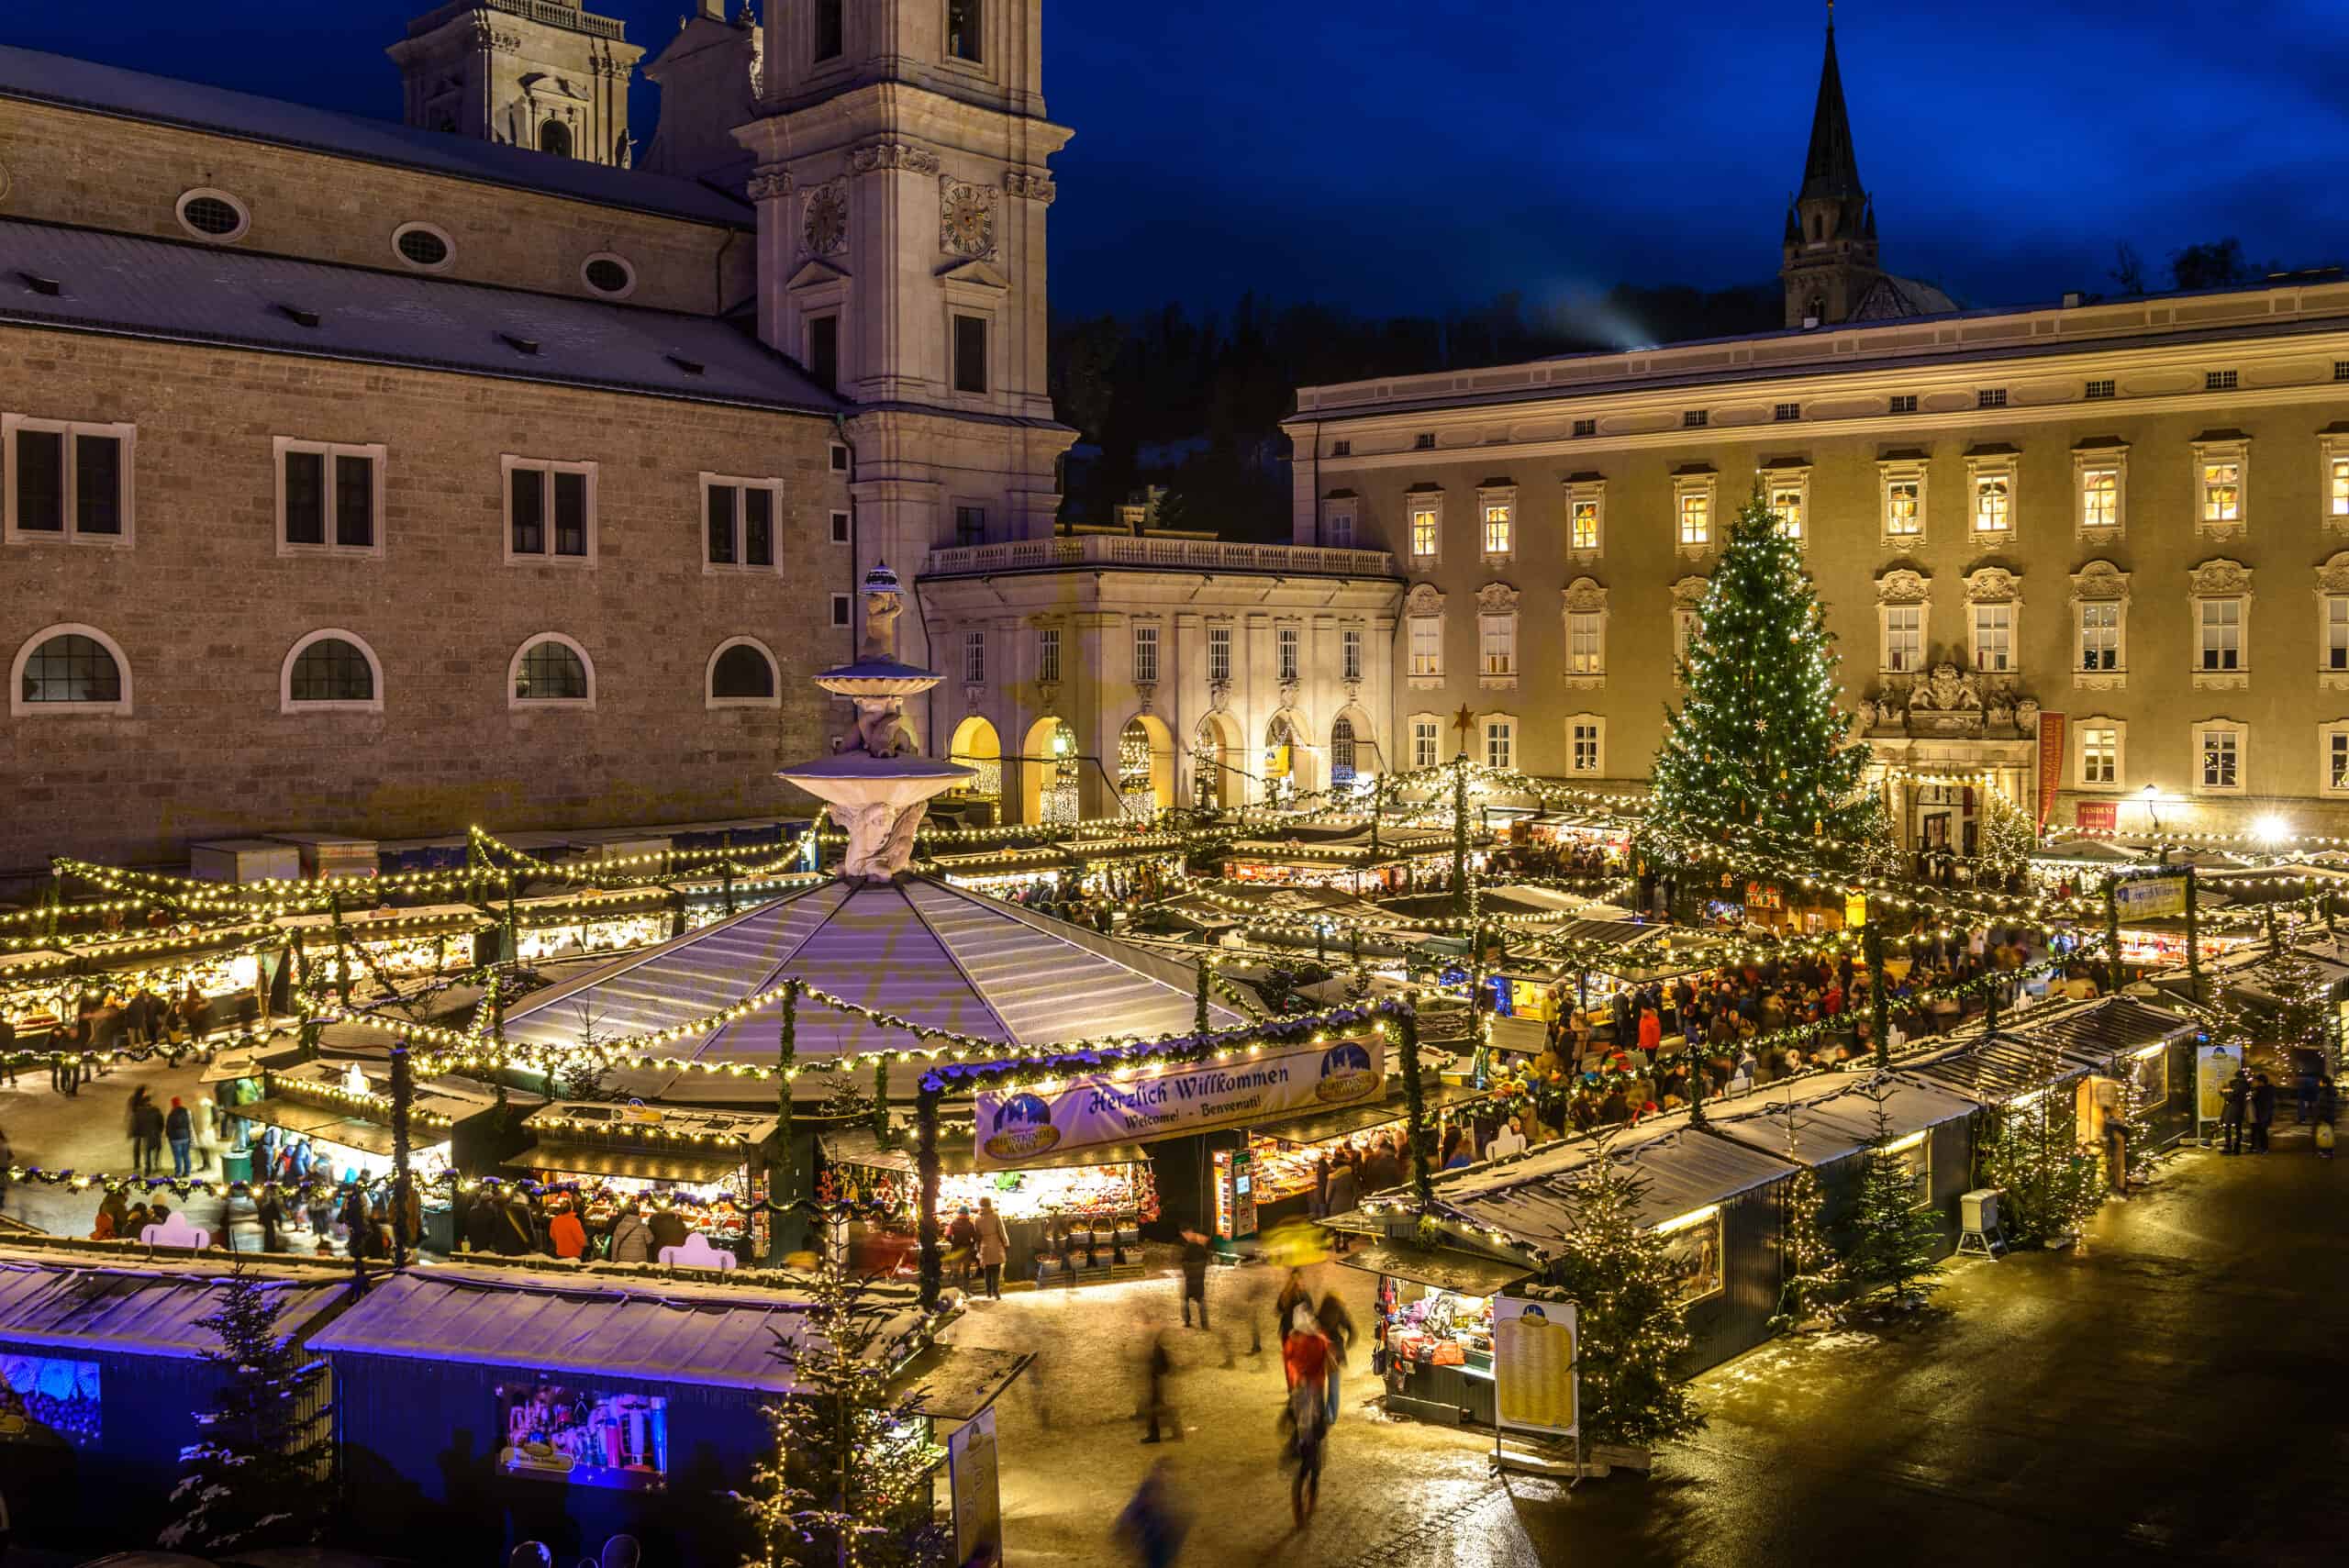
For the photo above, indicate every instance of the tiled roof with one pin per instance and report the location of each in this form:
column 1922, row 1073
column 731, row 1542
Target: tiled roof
column 166, row 100
column 198, row 294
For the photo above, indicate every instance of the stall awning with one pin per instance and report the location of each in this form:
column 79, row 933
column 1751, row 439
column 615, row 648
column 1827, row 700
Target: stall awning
column 1444, row 1268
column 1836, row 1120
column 1321, row 1125
column 956, row 1157
column 635, row 1165
column 136, row 1313
column 2111, row 1025
column 1996, row 1069
column 955, row 1383
column 291, row 1114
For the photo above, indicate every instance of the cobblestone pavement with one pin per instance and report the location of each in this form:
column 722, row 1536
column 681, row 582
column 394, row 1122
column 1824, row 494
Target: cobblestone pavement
column 2166, row 1393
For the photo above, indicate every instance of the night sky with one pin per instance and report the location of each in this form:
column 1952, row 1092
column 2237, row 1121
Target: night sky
column 1405, row 156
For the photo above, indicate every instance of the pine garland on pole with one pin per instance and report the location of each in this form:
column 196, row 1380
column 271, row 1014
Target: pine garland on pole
column 1895, row 1241
column 926, row 1172
column 1759, row 744
column 1415, row 1100
column 2114, row 977
column 782, row 1185
column 255, row 1475
column 850, row 1470
column 403, row 1181
column 2194, row 933
column 1628, row 1313
column 1880, row 1004
column 881, row 1102
column 1200, row 1002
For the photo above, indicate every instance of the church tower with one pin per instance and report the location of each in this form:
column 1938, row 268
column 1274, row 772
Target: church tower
column 542, row 74
column 898, row 168
column 1829, row 245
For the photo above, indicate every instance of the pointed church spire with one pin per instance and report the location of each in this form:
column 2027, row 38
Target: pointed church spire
column 1832, row 169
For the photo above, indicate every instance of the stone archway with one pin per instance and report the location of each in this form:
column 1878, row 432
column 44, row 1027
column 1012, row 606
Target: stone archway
column 1217, row 780
column 976, row 746
column 1050, row 773
column 1145, row 766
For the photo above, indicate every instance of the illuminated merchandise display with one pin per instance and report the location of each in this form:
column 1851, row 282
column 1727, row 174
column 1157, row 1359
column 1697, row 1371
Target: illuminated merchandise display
column 586, row 1437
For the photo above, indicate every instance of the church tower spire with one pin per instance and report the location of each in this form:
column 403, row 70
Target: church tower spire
column 1829, row 245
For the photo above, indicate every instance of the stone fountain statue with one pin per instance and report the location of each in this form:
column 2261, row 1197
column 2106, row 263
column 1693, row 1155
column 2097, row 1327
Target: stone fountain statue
column 878, row 785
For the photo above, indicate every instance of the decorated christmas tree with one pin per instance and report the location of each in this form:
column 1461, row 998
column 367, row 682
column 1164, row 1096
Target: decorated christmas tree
column 256, row 1474
column 1628, row 1311
column 2048, row 1186
column 1895, row 1243
column 1760, row 744
column 2285, row 1007
column 2008, row 838
column 1814, row 1274
column 2137, row 1117
column 848, row 1484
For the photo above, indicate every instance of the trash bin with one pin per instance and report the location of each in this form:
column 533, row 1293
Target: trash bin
column 236, row 1165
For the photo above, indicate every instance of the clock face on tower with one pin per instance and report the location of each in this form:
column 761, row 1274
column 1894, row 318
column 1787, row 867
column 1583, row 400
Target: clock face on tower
column 965, row 218
column 825, row 225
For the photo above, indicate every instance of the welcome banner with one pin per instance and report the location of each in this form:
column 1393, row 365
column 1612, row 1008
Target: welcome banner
column 1021, row 1127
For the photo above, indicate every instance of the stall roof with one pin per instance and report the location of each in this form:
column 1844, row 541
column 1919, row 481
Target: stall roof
column 2085, row 853
column 138, row 1312
column 957, row 1157
column 1444, row 1268
column 1834, row 1120
column 713, row 1337
column 651, row 1163
column 1319, row 1126
column 358, row 922
column 955, row 1383
column 1993, row 1070
column 1528, row 1198
column 444, row 1098
column 2109, row 1026
column 652, row 1124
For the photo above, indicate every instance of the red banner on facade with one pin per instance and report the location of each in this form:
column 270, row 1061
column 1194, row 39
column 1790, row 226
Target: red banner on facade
column 2096, row 816
column 2050, row 763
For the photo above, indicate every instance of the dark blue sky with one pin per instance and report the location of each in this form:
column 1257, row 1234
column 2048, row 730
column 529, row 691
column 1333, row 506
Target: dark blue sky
column 1408, row 155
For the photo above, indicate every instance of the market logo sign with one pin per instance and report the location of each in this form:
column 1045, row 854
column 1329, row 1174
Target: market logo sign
column 1020, row 1130
column 1019, row 1127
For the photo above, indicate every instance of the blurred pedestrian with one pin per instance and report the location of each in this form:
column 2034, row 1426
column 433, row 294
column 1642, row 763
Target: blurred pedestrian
column 1196, row 1258
column 145, row 1125
column 2327, row 1107
column 1337, row 1325
column 1152, row 1528
column 2263, row 1111
column 1293, row 1295
column 1306, row 1419
column 1159, row 1367
column 995, row 1246
column 2231, row 1116
column 179, row 1130
column 962, row 1246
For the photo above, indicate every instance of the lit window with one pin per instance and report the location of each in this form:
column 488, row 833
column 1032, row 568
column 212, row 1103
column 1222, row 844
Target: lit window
column 1904, row 638
column 2336, row 631
column 2219, row 626
column 1584, row 746
column 2100, row 756
column 1904, row 510
column 2098, row 391
column 2222, row 752
column 1582, row 522
column 550, row 509
column 2336, row 760
column 1696, row 516
column 1342, row 526
column 1499, row 527
column 2222, row 492
column 1993, row 497
column 739, row 522
column 2219, row 381
column 1427, row 645
column 1284, row 641
column 1048, row 654
column 71, row 668
column 1350, row 654
column 1219, row 655
column 1146, row 652
column 2337, row 486
column 1990, row 397
column 1427, row 742
column 2100, row 635
column 1994, row 637
column 1785, row 505
column 1497, row 634
column 1341, row 752
column 1427, row 519
column 67, row 481
column 329, row 497
column 1500, row 743
column 2100, row 497
column 1586, row 643
column 974, row 658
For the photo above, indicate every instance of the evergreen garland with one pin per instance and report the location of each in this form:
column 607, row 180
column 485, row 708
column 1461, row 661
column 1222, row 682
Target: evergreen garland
column 1415, row 1103
column 1893, row 1252
column 1813, row 1271
column 782, row 1185
column 1628, row 1313
column 256, row 1474
column 880, row 1136
column 1760, row 743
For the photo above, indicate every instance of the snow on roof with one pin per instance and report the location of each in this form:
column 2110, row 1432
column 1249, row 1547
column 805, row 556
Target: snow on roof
column 133, row 1311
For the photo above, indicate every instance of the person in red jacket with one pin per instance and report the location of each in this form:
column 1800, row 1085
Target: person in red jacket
column 568, row 1237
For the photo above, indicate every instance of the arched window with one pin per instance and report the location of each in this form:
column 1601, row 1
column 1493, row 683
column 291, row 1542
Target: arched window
column 1341, row 753
column 555, row 137
column 551, row 668
column 741, row 674
column 69, row 669
column 330, row 669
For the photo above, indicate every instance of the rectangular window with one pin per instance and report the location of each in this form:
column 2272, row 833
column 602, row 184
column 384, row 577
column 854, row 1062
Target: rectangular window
column 974, row 658
column 1902, row 403
column 2336, row 631
column 1426, row 521
column 1500, row 743
column 1427, row 645
column 963, row 30
column 2100, row 497
column 1696, row 516
column 1904, row 636
column 1694, row 418
column 68, row 480
column 1048, row 656
column 970, row 525
column 739, row 521
column 2219, row 381
column 2337, row 486
column 1146, row 652
column 1990, row 397
column 1994, row 638
column 1341, row 449
column 2100, row 756
column 824, row 352
column 1685, row 626
column 829, row 40
column 1284, row 643
column 550, row 510
column 2098, row 390
column 1424, row 441
column 1342, row 528
column 1582, row 524
column 840, row 528
column 839, row 458
column 1993, row 501
column 2222, row 490
column 839, row 609
column 1785, row 505
column 1499, row 527
column 2100, row 635
column 2221, row 758
column 1904, row 515
column 328, row 496
column 1497, row 636
column 54, row 1403
column 970, row 354
column 1785, row 411
column 1586, row 643
column 1219, row 655
column 1583, row 746
column 1426, row 742
column 2219, row 626
column 1585, row 426
column 2336, row 760
column 1350, row 655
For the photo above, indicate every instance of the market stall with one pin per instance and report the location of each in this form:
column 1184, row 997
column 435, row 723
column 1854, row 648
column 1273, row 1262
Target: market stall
column 2148, row 1048
column 1073, row 1220
column 1434, row 1333
column 392, row 944
column 711, row 1167
column 1830, row 1123
column 1286, row 1155
column 587, row 922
